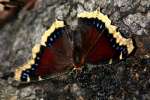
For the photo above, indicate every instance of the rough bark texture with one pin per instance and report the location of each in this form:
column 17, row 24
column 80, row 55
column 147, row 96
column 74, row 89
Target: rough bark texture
column 127, row 80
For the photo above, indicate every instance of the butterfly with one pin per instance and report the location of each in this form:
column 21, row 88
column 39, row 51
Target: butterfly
column 95, row 40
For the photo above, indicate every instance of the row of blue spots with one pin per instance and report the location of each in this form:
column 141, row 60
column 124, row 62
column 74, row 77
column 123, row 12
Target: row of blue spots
column 55, row 35
column 116, row 46
column 27, row 73
column 37, row 59
column 99, row 25
column 113, row 42
column 31, row 72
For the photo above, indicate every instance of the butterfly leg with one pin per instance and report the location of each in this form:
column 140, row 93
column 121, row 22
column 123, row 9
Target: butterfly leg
column 77, row 68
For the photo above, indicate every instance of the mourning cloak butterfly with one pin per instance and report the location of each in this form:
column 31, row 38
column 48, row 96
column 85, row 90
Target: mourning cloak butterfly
column 100, row 41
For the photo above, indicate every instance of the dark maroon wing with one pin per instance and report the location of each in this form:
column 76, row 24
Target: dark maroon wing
column 53, row 55
column 100, row 40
